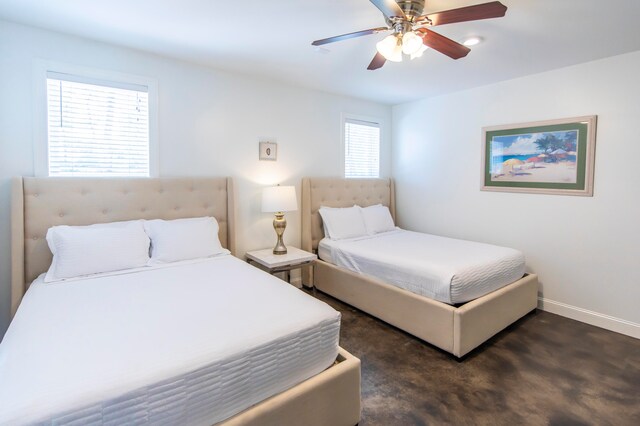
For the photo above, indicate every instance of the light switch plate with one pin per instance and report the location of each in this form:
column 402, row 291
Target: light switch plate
column 268, row 151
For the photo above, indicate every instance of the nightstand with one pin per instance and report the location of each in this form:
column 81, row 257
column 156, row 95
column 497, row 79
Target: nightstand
column 274, row 263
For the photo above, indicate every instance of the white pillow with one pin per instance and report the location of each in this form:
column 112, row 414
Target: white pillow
column 105, row 247
column 377, row 219
column 343, row 223
column 183, row 239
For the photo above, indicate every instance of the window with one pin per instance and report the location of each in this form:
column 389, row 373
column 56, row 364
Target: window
column 96, row 127
column 362, row 149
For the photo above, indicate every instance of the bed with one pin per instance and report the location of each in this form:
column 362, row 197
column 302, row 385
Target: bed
column 457, row 329
column 285, row 369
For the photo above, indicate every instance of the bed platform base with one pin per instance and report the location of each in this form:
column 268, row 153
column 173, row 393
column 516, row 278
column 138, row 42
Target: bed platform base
column 329, row 398
column 457, row 330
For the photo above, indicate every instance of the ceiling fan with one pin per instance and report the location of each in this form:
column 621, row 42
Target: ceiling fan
column 411, row 33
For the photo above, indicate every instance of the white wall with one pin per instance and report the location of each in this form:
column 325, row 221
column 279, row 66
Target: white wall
column 209, row 125
column 585, row 250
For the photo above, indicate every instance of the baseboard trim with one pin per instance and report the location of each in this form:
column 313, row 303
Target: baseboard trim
column 590, row 317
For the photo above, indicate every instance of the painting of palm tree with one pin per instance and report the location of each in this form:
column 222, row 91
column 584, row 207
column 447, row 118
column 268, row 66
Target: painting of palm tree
column 540, row 157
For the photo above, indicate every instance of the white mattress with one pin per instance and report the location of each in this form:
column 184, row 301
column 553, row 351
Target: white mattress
column 189, row 344
column 445, row 269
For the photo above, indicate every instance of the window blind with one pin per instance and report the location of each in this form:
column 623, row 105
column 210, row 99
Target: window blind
column 362, row 149
column 96, row 128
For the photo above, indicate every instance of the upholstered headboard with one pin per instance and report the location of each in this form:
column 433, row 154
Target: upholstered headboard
column 339, row 192
column 40, row 203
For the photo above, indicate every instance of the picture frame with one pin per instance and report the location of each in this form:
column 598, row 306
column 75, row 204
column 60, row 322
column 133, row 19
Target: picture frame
column 268, row 151
column 542, row 157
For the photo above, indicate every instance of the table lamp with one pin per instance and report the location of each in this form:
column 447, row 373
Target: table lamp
column 279, row 199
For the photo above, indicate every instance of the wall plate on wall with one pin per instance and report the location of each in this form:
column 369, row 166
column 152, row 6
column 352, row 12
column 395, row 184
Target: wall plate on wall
column 268, row 151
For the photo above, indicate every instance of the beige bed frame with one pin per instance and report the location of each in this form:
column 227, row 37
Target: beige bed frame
column 457, row 330
column 331, row 397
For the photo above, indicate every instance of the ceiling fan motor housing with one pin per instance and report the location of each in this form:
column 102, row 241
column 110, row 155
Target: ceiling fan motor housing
column 411, row 8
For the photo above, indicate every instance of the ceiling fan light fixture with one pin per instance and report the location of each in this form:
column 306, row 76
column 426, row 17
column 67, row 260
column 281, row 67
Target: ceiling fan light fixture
column 391, row 48
column 411, row 43
column 397, row 54
column 419, row 52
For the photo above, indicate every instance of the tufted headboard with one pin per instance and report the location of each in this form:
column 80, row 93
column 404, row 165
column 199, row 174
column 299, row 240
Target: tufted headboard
column 339, row 192
column 40, row 203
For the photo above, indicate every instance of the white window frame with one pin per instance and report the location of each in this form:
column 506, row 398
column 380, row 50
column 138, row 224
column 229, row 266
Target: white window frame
column 92, row 76
column 367, row 119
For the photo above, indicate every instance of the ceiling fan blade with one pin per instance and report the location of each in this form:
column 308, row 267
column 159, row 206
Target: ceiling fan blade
column 443, row 45
column 377, row 62
column 389, row 8
column 494, row 9
column 348, row 36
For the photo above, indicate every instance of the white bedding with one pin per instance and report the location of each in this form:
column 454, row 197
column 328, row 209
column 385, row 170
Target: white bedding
column 190, row 344
column 445, row 269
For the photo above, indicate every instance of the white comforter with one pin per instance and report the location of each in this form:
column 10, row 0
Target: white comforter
column 186, row 344
column 445, row 269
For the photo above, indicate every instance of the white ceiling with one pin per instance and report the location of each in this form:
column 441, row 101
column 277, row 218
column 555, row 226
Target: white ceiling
column 272, row 39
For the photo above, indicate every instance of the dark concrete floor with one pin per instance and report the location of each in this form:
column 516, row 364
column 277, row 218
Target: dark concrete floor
column 543, row 370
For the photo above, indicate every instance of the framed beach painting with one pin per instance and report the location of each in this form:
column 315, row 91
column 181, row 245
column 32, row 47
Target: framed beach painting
column 548, row 157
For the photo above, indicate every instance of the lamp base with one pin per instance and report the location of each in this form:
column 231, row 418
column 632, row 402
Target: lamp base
column 279, row 224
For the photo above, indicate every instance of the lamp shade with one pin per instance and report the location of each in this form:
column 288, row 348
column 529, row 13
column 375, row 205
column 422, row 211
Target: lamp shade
column 391, row 48
column 411, row 43
column 419, row 52
column 279, row 199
